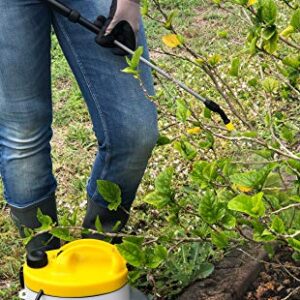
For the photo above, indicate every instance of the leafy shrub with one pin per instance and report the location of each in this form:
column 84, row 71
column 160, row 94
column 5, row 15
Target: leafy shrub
column 225, row 188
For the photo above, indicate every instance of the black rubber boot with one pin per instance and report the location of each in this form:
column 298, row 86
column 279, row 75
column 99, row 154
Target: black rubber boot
column 108, row 219
column 27, row 218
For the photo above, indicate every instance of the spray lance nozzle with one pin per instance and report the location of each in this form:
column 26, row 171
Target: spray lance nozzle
column 75, row 17
column 215, row 107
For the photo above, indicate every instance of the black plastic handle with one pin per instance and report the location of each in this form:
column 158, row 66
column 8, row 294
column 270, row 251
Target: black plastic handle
column 213, row 106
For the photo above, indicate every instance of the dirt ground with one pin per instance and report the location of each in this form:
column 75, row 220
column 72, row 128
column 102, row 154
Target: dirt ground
column 279, row 280
column 241, row 275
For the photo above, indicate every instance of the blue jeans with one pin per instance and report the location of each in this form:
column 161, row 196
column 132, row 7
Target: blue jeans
column 124, row 120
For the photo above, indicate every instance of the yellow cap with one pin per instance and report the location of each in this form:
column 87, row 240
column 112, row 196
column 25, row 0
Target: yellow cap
column 230, row 127
column 79, row 269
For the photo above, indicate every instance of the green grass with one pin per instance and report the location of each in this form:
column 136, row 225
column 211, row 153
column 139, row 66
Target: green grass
column 11, row 255
column 74, row 144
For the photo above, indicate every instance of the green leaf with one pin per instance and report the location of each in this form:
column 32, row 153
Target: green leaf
column 272, row 184
column 229, row 221
column 252, row 134
column 85, row 231
column 133, row 63
column 227, row 167
column 204, row 172
column 135, row 60
column 205, row 270
column 163, row 140
column 210, row 209
column 278, row 225
column 45, row 221
column 253, row 82
column 202, row 230
column 287, row 31
column 207, row 113
column 186, row 149
column 110, row 192
column 208, row 141
column 271, row 45
column 182, row 111
column 98, row 225
column 169, row 21
column 138, row 240
column 294, row 164
column 270, row 85
column 158, row 200
column 62, row 233
column 219, row 239
column 287, row 134
column 268, row 11
column 162, row 195
column 250, row 205
column 265, row 153
column 295, row 244
column 210, row 171
column 73, row 218
column 267, row 236
column 130, row 70
column 26, row 240
column 259, row 230
column 292, row 61
column 252, row 47
column 235, row 67
column 215, row 59
column 163, row 182
column 132, row 253
column 116, row 227
column 295, row 20
column 28, row 232
column 133, row 276
column 155, row 257
column 268, row 32
column 144, row 7
column 253, row 178
column 223, row 34
column 295, row 198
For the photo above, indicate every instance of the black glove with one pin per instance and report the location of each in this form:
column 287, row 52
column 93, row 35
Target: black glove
column 121, row 25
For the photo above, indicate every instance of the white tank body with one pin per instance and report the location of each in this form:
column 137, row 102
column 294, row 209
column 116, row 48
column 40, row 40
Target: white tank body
column 126, row 293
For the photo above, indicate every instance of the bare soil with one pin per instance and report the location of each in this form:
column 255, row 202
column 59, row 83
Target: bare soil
column 243, row 276
column 279, row 280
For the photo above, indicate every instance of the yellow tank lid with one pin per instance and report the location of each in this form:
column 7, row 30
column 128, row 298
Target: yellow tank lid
column 79, row 269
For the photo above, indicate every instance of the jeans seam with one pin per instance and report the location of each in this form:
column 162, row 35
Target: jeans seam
column 93, row 96
column 2, row 171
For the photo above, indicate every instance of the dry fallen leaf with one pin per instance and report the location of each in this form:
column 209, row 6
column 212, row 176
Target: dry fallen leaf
column 194, row 130
column 171, row 40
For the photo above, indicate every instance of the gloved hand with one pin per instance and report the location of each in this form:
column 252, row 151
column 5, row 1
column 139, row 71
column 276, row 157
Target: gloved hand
column 122, row 25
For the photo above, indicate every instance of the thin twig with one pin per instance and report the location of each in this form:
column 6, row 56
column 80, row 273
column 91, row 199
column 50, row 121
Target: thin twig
column 276, row 265
column 293, row 292
column 294, row 205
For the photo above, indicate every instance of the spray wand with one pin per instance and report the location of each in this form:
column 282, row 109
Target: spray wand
column 75, row 17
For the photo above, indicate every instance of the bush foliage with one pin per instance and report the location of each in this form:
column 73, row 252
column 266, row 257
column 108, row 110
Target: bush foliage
column 230, row 187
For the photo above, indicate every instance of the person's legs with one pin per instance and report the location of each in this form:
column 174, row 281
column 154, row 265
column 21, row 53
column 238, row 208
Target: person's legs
column 124, row 120
column 26, row 111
